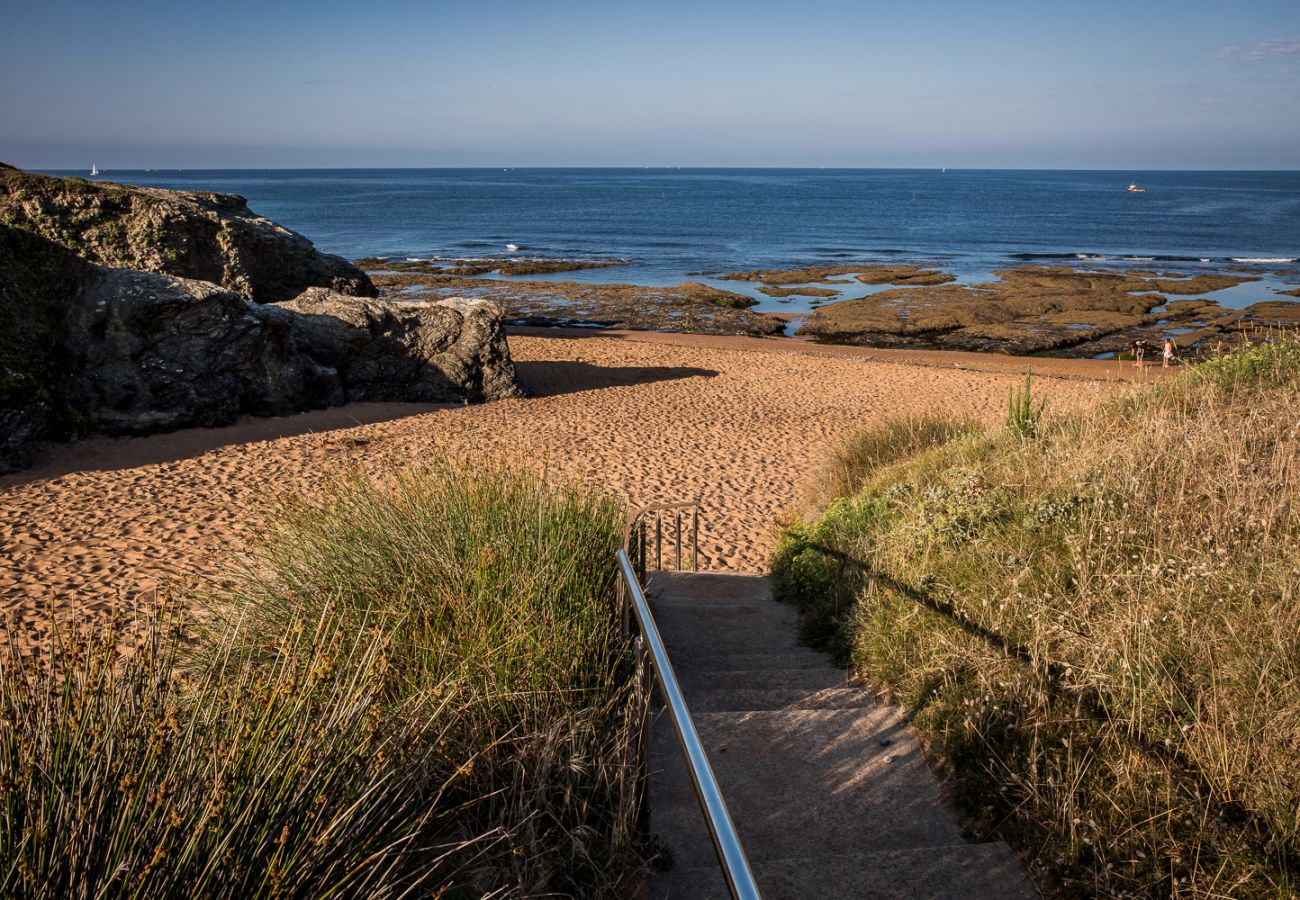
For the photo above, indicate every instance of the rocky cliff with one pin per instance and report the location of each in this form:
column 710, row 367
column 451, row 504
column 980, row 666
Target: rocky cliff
column 190, row 234
column 93, row 348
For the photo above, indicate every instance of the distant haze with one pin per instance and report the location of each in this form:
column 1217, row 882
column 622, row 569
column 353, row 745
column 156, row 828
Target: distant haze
column 1133, row 86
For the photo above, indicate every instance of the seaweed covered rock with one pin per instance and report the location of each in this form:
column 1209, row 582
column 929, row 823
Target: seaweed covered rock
column 191, row 234
column 439, row 351
column 1042, row 309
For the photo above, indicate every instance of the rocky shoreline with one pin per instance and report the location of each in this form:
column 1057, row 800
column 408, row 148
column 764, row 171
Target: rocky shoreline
column 1030, row 309
column 1052, row 309
column 691, row 306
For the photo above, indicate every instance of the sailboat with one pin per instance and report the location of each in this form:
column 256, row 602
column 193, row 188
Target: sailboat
column 1134, row 189
column 94, row 170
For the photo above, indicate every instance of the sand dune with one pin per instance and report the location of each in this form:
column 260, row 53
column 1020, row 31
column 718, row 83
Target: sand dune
column 95, row 528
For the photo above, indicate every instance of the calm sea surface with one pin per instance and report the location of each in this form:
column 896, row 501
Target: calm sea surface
column 669, row 223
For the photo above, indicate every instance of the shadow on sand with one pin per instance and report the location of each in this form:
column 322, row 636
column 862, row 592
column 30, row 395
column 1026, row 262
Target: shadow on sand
column 551, row 378
column 106, row 454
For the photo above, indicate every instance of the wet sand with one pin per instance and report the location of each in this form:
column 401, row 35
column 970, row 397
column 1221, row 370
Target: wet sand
column 97, row 527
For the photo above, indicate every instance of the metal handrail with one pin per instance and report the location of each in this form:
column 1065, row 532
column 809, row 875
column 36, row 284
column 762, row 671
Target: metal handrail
column 637, row 524
column 726, row 842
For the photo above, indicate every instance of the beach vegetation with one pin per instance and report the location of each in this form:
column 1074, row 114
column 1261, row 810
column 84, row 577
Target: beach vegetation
column 1023, row 415
column 412, row 686
column 1097, row 631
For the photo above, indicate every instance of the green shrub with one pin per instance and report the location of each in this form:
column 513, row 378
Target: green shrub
column 1274, row 360
column 1098, row 630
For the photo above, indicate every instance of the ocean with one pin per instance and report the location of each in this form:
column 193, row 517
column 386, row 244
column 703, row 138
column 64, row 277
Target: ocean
column 669, row 225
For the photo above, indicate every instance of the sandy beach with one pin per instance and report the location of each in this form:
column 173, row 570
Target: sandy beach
column 99, row 526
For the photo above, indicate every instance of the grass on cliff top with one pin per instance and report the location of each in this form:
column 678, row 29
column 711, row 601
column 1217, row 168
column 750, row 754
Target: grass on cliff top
column 416, row 686
column 1095, row 623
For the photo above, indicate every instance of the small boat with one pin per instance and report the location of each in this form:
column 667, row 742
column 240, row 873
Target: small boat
column 94, row 170
column 1134, row 189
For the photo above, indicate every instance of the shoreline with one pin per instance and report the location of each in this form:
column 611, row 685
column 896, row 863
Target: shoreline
column 1077, row 311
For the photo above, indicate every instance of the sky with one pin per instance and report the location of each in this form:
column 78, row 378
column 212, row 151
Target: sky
column 1155, row 84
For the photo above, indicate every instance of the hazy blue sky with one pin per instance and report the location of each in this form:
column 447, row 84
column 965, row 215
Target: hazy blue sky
column 1134, row 85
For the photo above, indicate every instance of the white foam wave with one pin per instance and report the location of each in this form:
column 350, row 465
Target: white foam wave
column 1264, row 259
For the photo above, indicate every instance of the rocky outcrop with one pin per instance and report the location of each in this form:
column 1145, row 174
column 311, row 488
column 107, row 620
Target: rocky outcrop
column 442, row 350
column 152, row 353
column 38, row 282
column 87, row 348
column 190, row 234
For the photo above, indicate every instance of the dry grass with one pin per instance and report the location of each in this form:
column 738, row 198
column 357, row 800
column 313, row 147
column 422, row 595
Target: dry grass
column 416, row 686
column 1097, row 626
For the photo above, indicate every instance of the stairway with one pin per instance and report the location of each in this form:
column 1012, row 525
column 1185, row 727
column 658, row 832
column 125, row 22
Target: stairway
column 828, row 789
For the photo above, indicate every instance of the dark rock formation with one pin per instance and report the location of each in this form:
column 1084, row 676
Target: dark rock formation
column 38, row 282
column 443, row 350
column 190, row 234
column 152, row 353
column 87, row 348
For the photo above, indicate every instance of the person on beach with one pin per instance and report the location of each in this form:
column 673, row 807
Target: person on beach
column 1139, row 348
column 1167, row 353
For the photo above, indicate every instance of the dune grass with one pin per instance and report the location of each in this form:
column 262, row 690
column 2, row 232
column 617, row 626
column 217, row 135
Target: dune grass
column 1095, row 623
column 415, row 686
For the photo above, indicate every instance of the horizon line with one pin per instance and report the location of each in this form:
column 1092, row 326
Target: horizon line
column 643, row 167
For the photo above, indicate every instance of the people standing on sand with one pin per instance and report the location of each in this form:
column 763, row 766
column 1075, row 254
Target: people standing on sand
column 1167, row 353
column 1139, row 348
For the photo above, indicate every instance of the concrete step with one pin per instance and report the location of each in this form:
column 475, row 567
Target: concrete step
column 709, row 587
column 694, row 680
column 726, row 628
column 829, row 791
column 746, row 699
column 802, row 783
column 962, row 872
column 702, row 660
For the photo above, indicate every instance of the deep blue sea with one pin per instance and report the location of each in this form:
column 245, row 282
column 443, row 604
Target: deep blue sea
column 670, row 224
